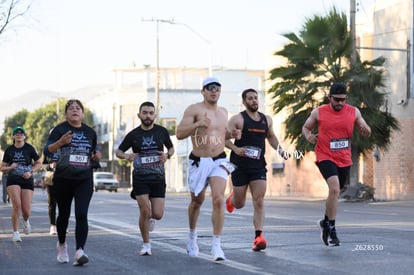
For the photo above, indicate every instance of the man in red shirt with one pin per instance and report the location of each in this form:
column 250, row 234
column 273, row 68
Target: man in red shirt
column 335, row 122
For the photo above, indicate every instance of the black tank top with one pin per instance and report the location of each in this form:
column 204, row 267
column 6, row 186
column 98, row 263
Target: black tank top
column 253, row 138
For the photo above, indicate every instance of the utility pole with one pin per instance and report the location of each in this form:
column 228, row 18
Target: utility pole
column 112, row 144
column 352, row 33
column 157, row 76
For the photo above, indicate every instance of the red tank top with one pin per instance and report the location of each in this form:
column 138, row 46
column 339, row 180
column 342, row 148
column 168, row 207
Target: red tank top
column 335, row 134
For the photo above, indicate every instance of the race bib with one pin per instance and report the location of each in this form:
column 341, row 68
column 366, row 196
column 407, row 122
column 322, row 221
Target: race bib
column 252, row 152
column 78, row 160
column 339, row 144
column 150, row 159
column 228, row 166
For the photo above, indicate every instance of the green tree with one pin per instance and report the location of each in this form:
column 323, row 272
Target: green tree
column 319, row 56
column 40, row 122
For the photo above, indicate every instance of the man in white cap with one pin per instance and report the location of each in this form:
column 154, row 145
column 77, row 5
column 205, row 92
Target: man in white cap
column 206, row 123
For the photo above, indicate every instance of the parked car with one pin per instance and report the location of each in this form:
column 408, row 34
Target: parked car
column 105, row 181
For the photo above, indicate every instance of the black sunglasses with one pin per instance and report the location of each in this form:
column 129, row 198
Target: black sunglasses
column 213, row 87
column 339, row 99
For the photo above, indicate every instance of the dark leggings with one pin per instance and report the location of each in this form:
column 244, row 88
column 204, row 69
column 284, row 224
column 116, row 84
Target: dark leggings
column 65, row 191
column 51, row 201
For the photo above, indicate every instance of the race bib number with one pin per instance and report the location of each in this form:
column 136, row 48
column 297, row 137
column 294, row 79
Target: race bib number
column 228, row 166
column 78, row 160
column 252, row 152
column 339, row 144
column 150, row 159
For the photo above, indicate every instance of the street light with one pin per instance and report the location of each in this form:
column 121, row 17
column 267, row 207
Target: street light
column 210, row 66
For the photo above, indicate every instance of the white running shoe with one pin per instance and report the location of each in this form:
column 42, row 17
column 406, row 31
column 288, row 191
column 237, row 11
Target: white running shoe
column 151, row 224
column 27, row 228
column 16, row 236
column 192, row 247
column 53, row 230
column 146, row 250
column 62, row 254
column 217, row 253
column 80, row 258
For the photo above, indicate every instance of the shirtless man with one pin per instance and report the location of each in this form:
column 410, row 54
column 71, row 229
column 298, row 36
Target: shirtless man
column 206, row 123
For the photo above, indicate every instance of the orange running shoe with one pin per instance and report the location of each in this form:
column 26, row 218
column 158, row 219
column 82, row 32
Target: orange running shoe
column 259, row 243
column 229, row 206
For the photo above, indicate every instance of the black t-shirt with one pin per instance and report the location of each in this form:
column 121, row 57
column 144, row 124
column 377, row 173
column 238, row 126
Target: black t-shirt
column 253, row 138
column 147, row 143
column 73, row 160
column 24, row 157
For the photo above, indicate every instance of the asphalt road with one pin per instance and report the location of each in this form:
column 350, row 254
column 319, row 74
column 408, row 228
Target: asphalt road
column 377, row 238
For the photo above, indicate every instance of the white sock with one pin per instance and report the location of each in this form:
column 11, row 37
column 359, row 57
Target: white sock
column 193, row 233
column 216, row 240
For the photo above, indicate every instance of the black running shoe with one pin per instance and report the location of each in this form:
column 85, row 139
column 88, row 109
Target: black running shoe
column 333, row 239
column 324, row 231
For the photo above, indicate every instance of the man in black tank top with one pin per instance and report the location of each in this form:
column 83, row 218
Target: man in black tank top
column 248, row 154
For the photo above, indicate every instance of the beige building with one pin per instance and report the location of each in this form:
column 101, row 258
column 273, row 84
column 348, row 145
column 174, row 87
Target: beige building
column 391, row 36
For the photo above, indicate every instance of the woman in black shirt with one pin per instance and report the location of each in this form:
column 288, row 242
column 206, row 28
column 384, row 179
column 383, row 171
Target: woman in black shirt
column 75, row 144
column 20, row 162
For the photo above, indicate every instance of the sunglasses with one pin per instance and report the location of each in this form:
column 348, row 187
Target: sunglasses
column 213, row 87
column 339, row 99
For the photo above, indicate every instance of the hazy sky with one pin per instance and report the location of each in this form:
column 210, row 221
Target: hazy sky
column 67, row 44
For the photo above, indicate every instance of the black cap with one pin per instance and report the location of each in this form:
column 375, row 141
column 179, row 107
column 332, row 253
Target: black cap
column 337, row 89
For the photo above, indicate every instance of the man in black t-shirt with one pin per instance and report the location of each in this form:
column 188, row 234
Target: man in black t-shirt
column 148, row 157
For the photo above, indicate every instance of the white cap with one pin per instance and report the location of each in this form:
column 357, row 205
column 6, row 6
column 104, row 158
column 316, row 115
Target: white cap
column 210, row 80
